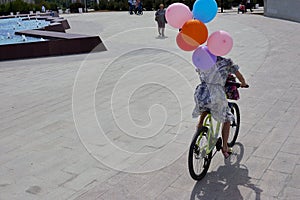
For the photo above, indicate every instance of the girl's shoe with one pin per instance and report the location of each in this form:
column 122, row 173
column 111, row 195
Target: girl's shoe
column 226, row 154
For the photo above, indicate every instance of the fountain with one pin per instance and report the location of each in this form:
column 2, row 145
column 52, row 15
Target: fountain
column 8, row 28
column 30, row 36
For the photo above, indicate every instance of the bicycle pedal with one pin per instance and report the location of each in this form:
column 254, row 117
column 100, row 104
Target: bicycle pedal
column 219, row 144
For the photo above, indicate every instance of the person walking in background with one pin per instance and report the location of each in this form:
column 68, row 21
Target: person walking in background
column 241, row 8
column 130, row 4
column 161, row 20
column 139, row 7
column 249, row 5
column 43, row 9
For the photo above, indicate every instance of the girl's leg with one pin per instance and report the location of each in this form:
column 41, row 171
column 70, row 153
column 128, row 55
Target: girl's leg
column 159, row 30
column 163, row 32
column 202, row 116
column 225, row 135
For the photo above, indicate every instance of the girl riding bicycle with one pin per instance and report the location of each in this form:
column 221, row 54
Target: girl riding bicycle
column 210, row 96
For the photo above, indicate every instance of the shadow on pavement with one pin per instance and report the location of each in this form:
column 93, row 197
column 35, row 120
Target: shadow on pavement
column 226, row 181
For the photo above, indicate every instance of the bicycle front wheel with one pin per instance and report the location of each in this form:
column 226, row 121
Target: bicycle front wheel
column 198, row 160
column 235, row 125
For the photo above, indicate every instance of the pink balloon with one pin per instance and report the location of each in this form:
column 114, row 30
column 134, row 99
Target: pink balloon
column 203, row 59
column 182, row 44
column 177, row 14
column 219, row 43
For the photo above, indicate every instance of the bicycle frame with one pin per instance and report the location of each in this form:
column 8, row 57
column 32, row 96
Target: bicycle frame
column 211, row 134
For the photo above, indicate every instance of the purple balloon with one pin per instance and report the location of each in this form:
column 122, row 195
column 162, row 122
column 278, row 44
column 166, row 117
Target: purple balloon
column 203, row 59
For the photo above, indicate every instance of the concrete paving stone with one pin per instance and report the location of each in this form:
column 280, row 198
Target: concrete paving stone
column 248, row 102
column 292, row 112
column 80, row 164
column 257, row 195
column 55, row 177
column 224, row 187
column 290, row 193
column 118, row 161
column 251, row 116
column 170, row 193
column 34, row 112
column 57, row 126
column 59, row 193
column 291, row 145
column 156, row 185
column 7, row 178
column 28, row 131
column 245, row 129
column 264, row 125
column 277, row 135
column 257, row 166
column 178, row 167
column 272, row 183
column 128, row 185
column 209, row 190
column 10, row 143
column 118, row 193
column 117, row 178
column 23, row 165
column 287, row 126
column 216, row 162
column 27, row 187
column 244, row 152
column 185, row 181
column 161, row 159
column 252, row 139
column 291, row 94
column 95, row 192
column 88, row 178
column 296, row 129
column 41, row 142
column 294, row 178
column 247, row 187
column 4, row 158
column 274, row 115
column 267, row 150
column 284, row 162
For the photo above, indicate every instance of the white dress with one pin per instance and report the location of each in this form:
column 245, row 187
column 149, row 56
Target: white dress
column 210, row 93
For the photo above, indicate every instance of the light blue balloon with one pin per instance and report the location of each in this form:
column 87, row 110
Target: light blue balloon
column 205, row 10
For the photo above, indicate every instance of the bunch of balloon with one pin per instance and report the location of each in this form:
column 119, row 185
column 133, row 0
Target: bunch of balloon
column 193, row 32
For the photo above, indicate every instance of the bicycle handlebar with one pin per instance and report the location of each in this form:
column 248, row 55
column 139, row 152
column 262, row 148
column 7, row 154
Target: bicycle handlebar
column 230, row 83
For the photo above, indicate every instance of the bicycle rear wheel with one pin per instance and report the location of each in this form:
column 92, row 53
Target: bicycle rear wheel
column 235, row 125
column 198, row 160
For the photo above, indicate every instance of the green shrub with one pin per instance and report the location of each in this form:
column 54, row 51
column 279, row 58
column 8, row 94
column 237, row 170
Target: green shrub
column 96, row 7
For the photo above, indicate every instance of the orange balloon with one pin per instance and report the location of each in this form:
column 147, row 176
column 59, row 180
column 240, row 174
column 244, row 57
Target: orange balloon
column 182, row 44
column 194, row 32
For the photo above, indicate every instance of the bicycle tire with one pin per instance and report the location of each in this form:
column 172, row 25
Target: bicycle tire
column 235, row 125
column 194, row 153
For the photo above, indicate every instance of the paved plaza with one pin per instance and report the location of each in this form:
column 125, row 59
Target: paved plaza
column 117, row 124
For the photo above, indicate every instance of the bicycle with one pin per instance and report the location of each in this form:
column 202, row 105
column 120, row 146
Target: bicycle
column 206, row 139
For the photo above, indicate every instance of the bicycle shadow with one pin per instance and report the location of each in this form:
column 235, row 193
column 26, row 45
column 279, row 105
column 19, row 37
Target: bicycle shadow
column 225, row 182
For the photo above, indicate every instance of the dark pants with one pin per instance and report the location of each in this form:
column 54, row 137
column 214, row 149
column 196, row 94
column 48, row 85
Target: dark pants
column 130, row 8
column 240, row 10
column 249, row 6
